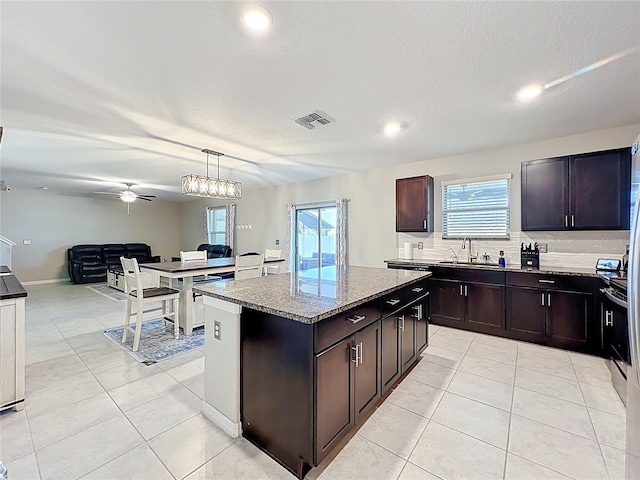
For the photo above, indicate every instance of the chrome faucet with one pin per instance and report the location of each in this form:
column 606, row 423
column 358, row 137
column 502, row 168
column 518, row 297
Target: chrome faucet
column 454, row 255
column 470, row 257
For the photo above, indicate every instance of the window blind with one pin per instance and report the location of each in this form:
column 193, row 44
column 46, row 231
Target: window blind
column 476, row 209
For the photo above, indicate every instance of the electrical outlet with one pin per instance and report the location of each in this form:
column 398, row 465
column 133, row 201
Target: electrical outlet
column 277, row 242
column 543, row 247
column 420, row 245
column 217, row 330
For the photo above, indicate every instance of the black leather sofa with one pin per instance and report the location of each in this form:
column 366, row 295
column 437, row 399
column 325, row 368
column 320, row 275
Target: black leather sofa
column 89, row 263
column 216, row 251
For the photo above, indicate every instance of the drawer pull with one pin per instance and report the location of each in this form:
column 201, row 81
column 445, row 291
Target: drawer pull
column 417, row 289
column 547, row 281
column 356, row 318
column 393, row 301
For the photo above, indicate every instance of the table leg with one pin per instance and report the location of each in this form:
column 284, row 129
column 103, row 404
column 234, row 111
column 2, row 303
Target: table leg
column 186, row 305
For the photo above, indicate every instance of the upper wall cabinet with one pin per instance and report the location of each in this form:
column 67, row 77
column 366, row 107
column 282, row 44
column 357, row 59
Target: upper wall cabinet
column 414, row 204
column 589, row 191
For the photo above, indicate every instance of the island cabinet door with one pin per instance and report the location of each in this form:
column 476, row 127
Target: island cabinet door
column 421, row 315
column 334, row 395
column 407, row 327
column 391, row 368
column 367, row 368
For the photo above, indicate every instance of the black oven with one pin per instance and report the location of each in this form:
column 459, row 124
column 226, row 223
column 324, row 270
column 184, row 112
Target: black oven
column 615, row 333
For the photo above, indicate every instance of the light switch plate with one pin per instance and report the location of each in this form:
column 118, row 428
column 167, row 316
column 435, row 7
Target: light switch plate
column 543, row 247
column 420, row 245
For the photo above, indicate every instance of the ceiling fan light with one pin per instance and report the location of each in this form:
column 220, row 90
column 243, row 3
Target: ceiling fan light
column 128, row 196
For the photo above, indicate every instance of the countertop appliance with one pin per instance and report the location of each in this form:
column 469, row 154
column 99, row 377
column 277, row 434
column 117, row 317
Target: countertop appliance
column 632, row 467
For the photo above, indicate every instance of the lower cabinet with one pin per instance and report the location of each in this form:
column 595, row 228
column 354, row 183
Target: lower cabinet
column 391, row 368
column 555, row 318
column 421, row 312
column 367, row 368
column 469, row 305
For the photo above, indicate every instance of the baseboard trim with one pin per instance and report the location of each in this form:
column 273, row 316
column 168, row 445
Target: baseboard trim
column 213, row 414
column 42, row 282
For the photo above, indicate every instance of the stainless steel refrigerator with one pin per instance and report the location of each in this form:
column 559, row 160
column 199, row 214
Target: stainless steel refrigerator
column 632, row 470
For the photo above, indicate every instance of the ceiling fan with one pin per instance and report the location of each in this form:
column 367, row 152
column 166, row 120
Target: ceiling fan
column 127, row 195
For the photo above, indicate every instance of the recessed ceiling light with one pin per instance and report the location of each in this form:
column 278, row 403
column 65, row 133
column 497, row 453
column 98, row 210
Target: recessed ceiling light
column 256, row 17
column 529, row 92
column 44, row 188
column 392, row 128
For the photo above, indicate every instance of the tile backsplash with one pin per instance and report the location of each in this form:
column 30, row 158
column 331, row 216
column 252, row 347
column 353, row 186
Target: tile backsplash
column 565, row 249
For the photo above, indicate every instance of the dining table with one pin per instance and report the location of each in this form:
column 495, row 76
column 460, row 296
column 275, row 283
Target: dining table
column 181, row 277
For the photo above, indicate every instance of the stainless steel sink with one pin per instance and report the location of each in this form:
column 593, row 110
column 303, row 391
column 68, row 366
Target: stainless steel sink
column 454, row 262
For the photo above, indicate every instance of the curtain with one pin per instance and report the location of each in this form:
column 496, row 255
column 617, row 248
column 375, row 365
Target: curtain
column 341, row 231
column 230, row 227
column 290, row 243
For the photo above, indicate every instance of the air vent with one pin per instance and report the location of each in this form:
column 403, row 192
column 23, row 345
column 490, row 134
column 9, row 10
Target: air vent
column 314, row 119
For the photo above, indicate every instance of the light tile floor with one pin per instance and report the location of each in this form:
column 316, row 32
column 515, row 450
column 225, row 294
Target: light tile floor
column 475, row 407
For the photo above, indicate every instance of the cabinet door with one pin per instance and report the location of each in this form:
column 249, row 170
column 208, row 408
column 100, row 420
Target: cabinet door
column 390, row 352
column 545, row 194
column 485, row 307
column 447, row 303
column 367, row 373
column 599, row 189
column 526, row 313
column 568, row 319
column 421, row 313
column 334, row 407
column 414, row 204
column 408, row 335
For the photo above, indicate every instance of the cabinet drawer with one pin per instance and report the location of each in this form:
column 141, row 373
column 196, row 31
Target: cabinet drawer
column 470, row 275
column 551, row 282
column 333, row 329
column 414, row 291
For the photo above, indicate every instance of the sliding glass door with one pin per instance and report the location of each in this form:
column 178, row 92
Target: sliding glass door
column 315, row 237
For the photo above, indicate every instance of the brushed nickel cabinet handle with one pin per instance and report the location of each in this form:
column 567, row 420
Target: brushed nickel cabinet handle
column 401, row 326
column 573, row 220
column 393, row 301
column 543, row 299
column 547, row 281
column 566, row 220
column 424, row 224
column 356, row 318
column 360, row 353
column 548, row 300
column 357, row 359
column 417, row 289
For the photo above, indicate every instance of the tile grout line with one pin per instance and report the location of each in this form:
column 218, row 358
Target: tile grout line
column 513, row 394
column 595, row 433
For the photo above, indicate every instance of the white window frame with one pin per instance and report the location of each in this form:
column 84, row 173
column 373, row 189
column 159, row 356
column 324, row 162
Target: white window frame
column 477, row 234
column 211, row 223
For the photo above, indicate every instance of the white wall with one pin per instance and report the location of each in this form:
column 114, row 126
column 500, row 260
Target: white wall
column 54, row 222
column 372, row 236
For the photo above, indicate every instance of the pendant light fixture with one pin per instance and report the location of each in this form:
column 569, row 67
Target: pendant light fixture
column 199, row 186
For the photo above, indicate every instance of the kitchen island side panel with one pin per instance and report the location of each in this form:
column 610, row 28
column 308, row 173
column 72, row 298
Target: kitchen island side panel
column 277, row 386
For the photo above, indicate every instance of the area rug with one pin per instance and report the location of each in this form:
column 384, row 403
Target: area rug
column 106, row 291
column 157, row 344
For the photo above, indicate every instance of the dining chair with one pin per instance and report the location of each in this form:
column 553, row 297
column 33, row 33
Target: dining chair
column 193, row 256
column 248, row 266
column 272, row 269
column 140, row 295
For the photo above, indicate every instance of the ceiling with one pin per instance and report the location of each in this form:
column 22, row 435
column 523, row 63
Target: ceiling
column 94, row 94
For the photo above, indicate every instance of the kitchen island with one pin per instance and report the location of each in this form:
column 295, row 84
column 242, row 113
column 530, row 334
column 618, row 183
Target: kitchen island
column 294, row 362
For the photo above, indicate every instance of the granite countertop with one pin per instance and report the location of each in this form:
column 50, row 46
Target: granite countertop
column 10, row 286
column 580, row 272
column 312, row 295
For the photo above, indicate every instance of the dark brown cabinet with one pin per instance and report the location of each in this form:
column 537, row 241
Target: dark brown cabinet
column 552, row 310
column 545, row 194
column 408, row 347
column 526, row 314
column 421, row 313
column 367, row 368
column 391, row 368
column 334, row 411
column 469, row 299
column 447, row 304
column 414, row 204
column 590, row 191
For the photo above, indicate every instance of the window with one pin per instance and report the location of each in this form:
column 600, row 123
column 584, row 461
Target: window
column 476, row 208
column 216, row 225
column 315, row 236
